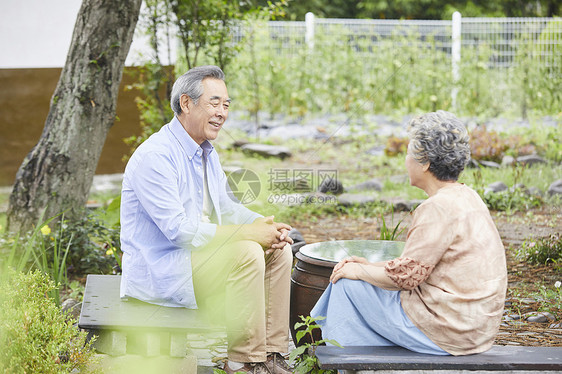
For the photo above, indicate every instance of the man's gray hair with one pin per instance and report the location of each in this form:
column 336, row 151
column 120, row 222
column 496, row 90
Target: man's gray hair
column 190, row 84
column 440, row 139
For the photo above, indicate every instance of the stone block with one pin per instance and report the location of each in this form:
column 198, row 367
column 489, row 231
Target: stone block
column 178, row 344
column 111, row 342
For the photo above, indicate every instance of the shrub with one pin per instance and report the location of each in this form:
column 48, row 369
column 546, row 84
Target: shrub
column 395, row 146
column 486, row 145
column 92, row 245
column 35, row 336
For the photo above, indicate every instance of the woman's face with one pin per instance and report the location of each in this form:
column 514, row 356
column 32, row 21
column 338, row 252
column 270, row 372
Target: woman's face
column 416, row 171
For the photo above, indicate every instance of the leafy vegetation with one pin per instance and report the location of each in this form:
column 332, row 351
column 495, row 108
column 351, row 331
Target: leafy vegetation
column 34, row 334
column 543, row 250
column 412, row 9
column 303, row 356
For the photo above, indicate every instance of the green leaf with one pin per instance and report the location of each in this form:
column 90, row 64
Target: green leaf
column 331, row 341
column 299, row 325
column 296, row 352
column 300, row 335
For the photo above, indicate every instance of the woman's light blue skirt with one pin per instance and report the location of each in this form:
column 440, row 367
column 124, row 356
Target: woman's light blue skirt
column 358, row 313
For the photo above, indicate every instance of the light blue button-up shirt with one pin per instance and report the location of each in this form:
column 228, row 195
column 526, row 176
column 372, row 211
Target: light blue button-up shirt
column 161, row 215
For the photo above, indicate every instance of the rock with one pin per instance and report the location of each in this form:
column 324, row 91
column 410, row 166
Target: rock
column 239, row 143
column 296, row 235
column 473, row 164
column 296, row 246
column 508, row 160
column 68, row 304
column 331, row 185
column 370, row 185
column 490, row 164
column 515, row 316
column 556, row 325
column 400, row 205
column 72, row 308
column 267, row 150
column 348, row 199
column 539, row 317
column 535, row 191
column 497, row 186
column 530, row 160
column 521, row 187
column 555, row 188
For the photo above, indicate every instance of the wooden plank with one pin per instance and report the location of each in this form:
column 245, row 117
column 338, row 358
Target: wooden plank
column 103, row 309
column 398, row 358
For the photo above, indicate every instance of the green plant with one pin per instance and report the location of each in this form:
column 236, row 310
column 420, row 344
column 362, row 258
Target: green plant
column 55, row 266
column 303, row 356
column 511, row 200
column 31, row 252
column 542, row 250
column 76, row 290
column 552, row 297
column 93, row 246
column 386, row 234
column 35, row 336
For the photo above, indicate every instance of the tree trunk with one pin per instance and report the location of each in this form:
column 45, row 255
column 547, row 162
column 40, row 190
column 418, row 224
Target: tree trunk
column 57, row 174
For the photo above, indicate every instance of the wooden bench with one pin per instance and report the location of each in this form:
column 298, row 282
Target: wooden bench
column 134, row 327
column 499, row 358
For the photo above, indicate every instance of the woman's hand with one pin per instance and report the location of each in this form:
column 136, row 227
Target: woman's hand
column 350, row 268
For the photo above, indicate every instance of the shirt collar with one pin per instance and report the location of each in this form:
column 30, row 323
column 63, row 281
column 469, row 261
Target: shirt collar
column 190, row 147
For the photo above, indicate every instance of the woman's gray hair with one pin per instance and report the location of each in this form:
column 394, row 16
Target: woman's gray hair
column 440, row 139
column 190, row 84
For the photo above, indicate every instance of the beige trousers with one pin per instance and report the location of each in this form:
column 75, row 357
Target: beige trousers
column 237, row 285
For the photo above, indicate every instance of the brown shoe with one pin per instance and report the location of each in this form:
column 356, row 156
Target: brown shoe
column 277, row 365
column 249, row 367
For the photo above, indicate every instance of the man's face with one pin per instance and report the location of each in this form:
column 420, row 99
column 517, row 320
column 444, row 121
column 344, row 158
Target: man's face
column 204, row 120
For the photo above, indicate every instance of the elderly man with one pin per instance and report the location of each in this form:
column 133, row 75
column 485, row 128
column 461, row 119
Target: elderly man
column 186, row 243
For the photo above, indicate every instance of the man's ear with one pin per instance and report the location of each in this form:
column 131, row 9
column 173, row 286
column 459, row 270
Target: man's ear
column 425, row 167
column 185, row 103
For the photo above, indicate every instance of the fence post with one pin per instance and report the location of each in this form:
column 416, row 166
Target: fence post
column 456, row 55
column 309, row 23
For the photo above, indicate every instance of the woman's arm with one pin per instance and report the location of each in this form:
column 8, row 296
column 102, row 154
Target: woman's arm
column 359, row 268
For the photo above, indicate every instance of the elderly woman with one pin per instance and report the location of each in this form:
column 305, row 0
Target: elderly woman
column 445, row 293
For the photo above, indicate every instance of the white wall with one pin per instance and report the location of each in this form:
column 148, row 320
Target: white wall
column 37, row 33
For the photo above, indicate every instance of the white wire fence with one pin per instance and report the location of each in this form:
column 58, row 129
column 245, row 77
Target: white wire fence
column 493, row 64
column 503, row 36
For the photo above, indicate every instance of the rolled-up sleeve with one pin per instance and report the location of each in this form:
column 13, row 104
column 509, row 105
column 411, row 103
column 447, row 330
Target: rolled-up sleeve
column 428, row 239
column 407, row 273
